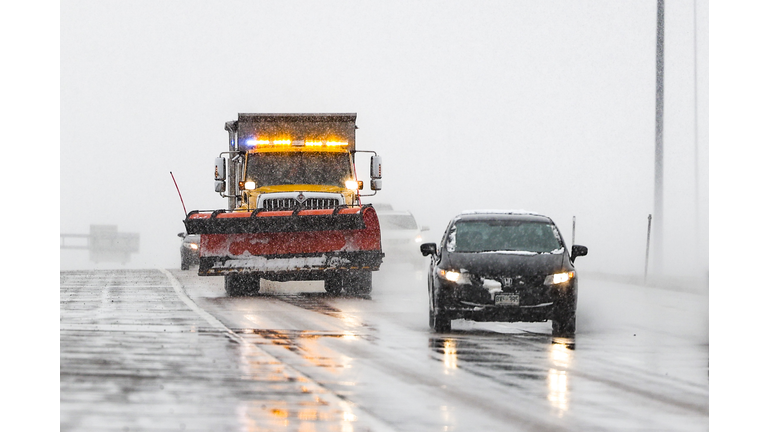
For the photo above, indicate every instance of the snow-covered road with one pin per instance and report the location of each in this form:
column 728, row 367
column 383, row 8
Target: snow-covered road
column 309, row 362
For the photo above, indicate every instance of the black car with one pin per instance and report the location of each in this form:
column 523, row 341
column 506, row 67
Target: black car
column 503, row 266
column 190, row 250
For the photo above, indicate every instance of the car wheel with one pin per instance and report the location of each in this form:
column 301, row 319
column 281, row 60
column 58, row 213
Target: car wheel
column 439, row 321
column 564, row 322
column 184, row 265
column 241, row 285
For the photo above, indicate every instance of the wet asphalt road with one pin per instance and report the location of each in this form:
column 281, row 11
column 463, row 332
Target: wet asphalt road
column 168, row 350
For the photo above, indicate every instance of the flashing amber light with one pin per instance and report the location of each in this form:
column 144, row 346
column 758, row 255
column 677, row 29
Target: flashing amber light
column 299, row 143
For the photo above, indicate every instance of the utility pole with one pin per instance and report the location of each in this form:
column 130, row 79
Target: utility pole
column 658, row 189
column 697, row 231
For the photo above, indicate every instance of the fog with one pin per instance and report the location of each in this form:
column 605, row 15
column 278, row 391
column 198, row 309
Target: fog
column 542, row 106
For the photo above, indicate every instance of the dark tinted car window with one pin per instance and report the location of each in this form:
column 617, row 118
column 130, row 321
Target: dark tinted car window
column 480, row 236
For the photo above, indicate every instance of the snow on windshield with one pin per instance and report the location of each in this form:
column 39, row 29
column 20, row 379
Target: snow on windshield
column 270, row 169
column 518, row 236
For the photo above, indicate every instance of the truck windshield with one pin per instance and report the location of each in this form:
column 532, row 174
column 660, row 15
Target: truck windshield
column 272, row 169
column 482, row 236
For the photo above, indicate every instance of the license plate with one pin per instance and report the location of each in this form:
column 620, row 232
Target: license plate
column 507, row 299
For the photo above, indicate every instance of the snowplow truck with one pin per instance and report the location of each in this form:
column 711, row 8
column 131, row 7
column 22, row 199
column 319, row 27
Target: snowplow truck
column 294, row 206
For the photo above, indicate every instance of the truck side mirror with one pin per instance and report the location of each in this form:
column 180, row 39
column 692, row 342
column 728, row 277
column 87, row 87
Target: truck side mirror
column 375, row 167
column 577, row 251
column 428, row 249
column 376, row 173
column 220, row 174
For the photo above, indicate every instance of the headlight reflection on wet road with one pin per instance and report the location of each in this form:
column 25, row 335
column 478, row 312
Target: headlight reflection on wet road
column 450, row 356
column 561, row 355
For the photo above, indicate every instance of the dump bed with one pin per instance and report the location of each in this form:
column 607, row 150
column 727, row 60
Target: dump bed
column 298, row 128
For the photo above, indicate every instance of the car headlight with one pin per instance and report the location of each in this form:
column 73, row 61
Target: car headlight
column 193, row 245
column 559, row 278
column 454, row 276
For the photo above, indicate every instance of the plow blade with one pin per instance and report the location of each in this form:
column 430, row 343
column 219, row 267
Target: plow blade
column 287, row 241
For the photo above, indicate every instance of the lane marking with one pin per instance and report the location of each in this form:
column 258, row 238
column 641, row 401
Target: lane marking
column 363, row 416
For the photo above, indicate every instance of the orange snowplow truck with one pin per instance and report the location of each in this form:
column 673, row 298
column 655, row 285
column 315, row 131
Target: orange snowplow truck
column 294, row 209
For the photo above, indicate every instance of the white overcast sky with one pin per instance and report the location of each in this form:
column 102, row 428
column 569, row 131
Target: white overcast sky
column 546, row 106
column 543, row 106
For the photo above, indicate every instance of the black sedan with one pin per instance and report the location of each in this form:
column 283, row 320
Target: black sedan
column 190, row 250
column 503, row 266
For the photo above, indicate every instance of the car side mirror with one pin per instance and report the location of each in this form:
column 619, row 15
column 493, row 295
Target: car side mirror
column 181, row 235
column 428, row 249
column 577, row 251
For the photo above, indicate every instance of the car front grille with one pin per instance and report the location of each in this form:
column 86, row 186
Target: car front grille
column 291, row 203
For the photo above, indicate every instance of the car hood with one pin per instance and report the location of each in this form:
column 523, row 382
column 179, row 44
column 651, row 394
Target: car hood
column 506, row 263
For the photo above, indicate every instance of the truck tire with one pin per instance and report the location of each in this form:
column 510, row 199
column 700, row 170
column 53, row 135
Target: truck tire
column 333, row 283
column 241, row 285
column 359, row 283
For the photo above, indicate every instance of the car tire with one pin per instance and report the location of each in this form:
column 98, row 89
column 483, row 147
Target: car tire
column 241, row 285
column 439, row 321
column 564, row 321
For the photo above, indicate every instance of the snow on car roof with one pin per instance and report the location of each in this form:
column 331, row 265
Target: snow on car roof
column 497, row 211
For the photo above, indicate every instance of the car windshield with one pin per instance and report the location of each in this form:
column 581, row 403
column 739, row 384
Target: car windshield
column 271, row 169
column 503, row 235
column 397, row 222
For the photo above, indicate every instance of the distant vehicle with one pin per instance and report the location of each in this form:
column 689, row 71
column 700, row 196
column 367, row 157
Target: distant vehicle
column 190, row 250
column 503, row 266
column 400, row 235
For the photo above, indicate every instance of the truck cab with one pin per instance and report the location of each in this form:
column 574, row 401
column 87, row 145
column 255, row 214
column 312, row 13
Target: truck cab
column 280, row 177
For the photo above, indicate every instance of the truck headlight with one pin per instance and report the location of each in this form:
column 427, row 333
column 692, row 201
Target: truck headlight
column 559, row 278
column 250, row 185
column 351, row 184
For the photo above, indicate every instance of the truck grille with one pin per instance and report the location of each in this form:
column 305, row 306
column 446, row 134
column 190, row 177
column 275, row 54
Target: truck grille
column 291, row 203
